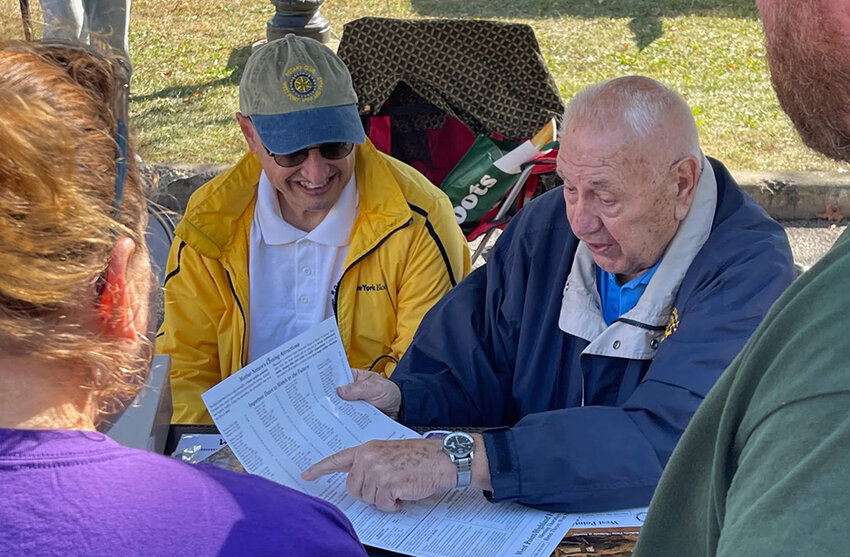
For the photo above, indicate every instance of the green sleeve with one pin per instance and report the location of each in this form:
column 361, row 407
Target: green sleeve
column 788, row 495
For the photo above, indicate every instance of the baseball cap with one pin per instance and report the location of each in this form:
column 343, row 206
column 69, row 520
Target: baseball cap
column 298, row 93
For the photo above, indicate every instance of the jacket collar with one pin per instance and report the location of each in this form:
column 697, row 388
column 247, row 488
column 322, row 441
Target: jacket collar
column 383, row 207
column 217, row 208
column 637, row 334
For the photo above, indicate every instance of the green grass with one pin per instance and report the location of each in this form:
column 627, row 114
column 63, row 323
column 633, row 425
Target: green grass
column 188, row 56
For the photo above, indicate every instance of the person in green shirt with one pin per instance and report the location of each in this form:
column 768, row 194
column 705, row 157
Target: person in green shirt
column 764, row 466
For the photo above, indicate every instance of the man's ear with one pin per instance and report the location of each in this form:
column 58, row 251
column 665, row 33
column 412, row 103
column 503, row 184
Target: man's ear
column 119, row 302
column 247, row 127
column 686, row 175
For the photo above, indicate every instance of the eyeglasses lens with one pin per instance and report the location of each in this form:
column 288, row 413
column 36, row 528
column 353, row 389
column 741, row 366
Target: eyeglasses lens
column 331, row 151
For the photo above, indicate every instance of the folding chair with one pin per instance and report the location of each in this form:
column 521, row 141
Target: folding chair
column 426, row 88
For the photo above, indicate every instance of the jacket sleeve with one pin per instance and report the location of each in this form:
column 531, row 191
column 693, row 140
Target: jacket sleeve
column 438, row 260
column 188, row 333
column 457, row 371
column 602, row 457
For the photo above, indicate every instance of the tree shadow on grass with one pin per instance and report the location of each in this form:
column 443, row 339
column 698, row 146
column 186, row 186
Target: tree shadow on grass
column 235, row 63
column 645, row 15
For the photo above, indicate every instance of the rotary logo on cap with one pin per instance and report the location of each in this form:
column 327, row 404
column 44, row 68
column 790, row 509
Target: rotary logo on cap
column 303, row 83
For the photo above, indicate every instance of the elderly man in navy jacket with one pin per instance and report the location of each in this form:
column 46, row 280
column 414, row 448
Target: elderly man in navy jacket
column 585, row 343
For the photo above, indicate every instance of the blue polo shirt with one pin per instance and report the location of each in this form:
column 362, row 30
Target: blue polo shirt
column 618, row 299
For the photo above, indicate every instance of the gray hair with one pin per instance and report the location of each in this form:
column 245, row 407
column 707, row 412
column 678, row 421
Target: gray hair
column 645, row 106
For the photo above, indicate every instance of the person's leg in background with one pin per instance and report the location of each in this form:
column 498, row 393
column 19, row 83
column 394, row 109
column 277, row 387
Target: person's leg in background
column 105, row 21
column 109, row 21
column 65, row 19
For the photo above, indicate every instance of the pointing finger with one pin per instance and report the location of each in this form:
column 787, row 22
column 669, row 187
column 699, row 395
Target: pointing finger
column 337, row 462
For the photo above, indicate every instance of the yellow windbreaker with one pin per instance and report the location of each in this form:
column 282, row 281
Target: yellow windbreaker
column 406, row 251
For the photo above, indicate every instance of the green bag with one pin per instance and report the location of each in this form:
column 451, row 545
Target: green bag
column 474, row 185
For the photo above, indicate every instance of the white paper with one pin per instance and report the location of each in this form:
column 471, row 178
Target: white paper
column 511, row 161
column 281, row 413
column 626, row 521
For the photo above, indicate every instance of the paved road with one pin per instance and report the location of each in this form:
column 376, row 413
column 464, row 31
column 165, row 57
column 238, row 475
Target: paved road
column 809, row 239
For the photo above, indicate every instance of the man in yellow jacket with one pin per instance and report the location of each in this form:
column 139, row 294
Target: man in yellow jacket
column 314, row 222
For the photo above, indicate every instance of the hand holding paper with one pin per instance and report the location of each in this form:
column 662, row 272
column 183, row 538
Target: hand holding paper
column 375, row 389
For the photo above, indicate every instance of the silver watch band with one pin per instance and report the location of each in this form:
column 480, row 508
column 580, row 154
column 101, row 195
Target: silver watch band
column 464, row 471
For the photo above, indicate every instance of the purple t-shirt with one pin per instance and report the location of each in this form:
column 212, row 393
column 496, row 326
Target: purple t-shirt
column 81, row 493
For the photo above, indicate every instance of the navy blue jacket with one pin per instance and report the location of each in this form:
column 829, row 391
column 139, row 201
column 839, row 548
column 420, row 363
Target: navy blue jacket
column 585, row 432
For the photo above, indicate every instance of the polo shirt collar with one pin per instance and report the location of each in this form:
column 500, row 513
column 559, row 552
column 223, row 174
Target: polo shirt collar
column 625, row 296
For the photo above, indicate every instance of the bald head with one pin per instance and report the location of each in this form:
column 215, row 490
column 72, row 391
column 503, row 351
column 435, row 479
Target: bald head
column 651, row 113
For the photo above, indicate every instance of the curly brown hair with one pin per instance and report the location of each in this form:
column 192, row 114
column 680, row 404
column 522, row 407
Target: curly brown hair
column 58, row 221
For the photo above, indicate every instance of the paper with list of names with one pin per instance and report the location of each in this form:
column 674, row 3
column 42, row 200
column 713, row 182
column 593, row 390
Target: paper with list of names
column 281, row 413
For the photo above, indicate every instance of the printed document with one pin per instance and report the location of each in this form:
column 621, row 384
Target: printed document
column 281, row 413
column 626, row 521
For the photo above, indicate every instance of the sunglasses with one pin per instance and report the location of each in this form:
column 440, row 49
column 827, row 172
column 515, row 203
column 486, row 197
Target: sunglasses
column 331, row 151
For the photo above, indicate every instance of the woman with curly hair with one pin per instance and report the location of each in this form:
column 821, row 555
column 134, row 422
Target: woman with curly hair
column 75, row 281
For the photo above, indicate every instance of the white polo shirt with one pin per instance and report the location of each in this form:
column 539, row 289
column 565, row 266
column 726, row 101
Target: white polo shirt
column 292, row 273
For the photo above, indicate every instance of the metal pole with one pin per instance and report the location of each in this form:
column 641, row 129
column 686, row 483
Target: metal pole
column 301, row 17
column 503, row 210
column 25, row 16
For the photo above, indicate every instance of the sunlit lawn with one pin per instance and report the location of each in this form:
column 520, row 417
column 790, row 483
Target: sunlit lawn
column 188, row 56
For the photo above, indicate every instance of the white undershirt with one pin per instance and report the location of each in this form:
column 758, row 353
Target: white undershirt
column 292, row 273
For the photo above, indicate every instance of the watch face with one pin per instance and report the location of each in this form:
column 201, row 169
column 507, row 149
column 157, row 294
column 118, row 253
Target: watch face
column 459, row 444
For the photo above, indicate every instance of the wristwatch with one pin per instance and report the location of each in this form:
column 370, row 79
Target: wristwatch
column 458, row 446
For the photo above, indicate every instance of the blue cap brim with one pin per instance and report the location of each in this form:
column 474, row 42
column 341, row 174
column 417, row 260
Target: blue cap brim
column 286, row 133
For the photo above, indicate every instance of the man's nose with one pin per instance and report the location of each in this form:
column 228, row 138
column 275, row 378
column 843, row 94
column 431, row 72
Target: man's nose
column 583, row 218
column 315, row 167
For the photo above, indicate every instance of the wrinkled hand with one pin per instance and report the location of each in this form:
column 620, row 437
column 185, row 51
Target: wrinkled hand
column 386, row 473
column 375, row 389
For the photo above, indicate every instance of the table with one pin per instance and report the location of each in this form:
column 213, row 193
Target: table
column 595, row 545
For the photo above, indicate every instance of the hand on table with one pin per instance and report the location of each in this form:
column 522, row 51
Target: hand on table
column 375, row 389
column 386, row 473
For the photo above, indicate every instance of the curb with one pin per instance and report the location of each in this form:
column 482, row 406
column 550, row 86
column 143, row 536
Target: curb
column 798, row 195
column 784, row 195
column 170, row 185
